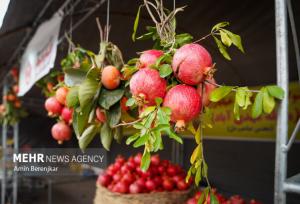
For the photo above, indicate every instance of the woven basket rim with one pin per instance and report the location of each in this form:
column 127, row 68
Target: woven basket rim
column 144, row 194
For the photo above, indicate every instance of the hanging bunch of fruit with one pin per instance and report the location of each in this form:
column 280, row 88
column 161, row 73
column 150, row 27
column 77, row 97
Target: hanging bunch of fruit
column 172, row 86
column 11, row 110
column 54, row 88
column 95, row 91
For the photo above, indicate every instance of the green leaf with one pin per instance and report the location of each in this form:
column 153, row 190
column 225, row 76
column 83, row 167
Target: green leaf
column 165, row 70
column 161, row 127
column 82, row 117
column 205, row 169
column 109, row 98
column 157, row 142
column 258, row 105
column 240, row 96
column 195, row 154
column 174, row 136
column 118, row 136
column 130, row 102
column 114, row 115
column 225, row 39
column 276, row 91
column 141, row 141
column 72, row 97
column 236, row 40
column 188, row 176
column 213, row 199
column 147, row 111
column 268, row 102
column 75, row 124
column 132, row 138
column 219, row 25
column 145, row 162
column 87, row 136
column 74, row 77
column 133, row 61
column 165, row 58
column 106, row 136
column 147, row 122
column 222, row 48
column 162, row 116
column 87, row 91
column 182, row 39
column 236, row 110
column 136, row 23
column 198, row 176
column 220, row 93
column 203, row 196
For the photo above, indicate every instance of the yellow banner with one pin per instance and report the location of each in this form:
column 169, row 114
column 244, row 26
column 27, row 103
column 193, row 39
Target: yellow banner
column 264, row 127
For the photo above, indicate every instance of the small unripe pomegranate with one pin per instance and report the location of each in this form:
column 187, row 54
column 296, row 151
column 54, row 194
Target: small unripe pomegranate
column 149, row 57
column 66, row 115
column 2, row 108
column 110, row 77
column 14, row 72
column 185, row 103
column 191, row 63
column 17, row 104
column 146, row 85
column 60, row 78
column 53, row 106
column 50, row 86
column 61, row 132
column 15, row 89
column 123, row 104
column 61, row 94
column 11, row 97
column 100, row 115
column 208, row 88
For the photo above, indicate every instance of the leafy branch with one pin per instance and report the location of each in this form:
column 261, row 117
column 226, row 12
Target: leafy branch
column 264, row 101
column 225, row 40
column 153, row 122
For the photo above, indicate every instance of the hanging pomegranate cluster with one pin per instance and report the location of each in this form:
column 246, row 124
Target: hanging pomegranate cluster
column 11, row 110
column 126, row 176
column 56, row 92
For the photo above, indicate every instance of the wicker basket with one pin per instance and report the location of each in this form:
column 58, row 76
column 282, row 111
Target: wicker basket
column 104, row 196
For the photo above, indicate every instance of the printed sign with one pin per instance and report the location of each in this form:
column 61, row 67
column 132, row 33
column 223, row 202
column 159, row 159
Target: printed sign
column 40, row 54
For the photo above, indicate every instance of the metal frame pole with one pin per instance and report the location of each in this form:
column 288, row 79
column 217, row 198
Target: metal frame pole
column 15, row 176
column 282, row 117
column 4, row 141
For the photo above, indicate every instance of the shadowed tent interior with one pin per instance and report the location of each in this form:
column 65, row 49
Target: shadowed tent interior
column 246, row 168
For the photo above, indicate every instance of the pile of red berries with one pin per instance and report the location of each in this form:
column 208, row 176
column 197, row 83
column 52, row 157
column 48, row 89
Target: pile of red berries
column 125, row 176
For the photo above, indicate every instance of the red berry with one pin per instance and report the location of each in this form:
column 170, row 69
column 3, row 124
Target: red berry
column 155, row 160
column 110, row 77
column 100, row 115
column 168, row 184
column 135, row 188
column 182, row 185
column 104, row 180
column 150, row 185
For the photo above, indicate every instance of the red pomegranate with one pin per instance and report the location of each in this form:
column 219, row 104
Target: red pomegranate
column 66, row 115
column 191, row 63
column 61, row 94
column 208, row 88
column 149, row 58
column 100, row 115
column 53, row 106
column 61, row 132
column 146, row 85
column 185, row 104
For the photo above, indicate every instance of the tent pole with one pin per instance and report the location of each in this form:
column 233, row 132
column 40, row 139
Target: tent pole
column 282, row 116
column 15, row 173
column 4, row 142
